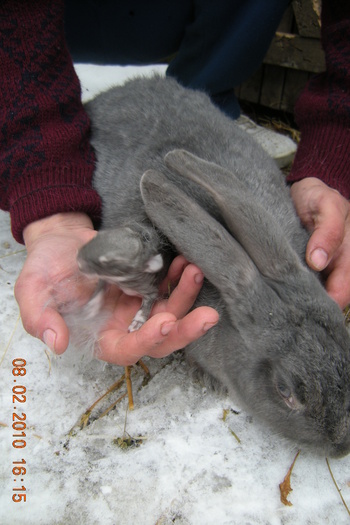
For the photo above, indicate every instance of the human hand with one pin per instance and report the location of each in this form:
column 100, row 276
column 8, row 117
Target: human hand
column 169, row 327
column 50, row 277
column 327, row 215
column 51, row 281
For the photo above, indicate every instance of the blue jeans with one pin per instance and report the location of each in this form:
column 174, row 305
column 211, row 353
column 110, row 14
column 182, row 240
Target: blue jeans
column 214, row 45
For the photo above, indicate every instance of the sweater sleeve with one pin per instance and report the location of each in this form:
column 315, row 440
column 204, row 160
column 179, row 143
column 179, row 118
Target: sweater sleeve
column 322, row 111
column 46, row 161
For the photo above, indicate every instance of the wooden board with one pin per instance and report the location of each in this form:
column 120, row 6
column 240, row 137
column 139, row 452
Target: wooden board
column 308, row 17
column 272, row 86
column 294, row 83
column 294, row 55
column 296, row 52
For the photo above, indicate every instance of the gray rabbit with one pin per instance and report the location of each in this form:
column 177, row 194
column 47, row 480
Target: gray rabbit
column 176, row 175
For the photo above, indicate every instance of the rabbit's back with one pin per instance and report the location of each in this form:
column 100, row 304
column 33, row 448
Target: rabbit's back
column 135, row 125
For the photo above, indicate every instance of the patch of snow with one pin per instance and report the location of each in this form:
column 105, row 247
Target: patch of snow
column 186, row 467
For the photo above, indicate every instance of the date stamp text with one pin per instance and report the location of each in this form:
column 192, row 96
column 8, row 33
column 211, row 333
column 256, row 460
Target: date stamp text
column 19, row 428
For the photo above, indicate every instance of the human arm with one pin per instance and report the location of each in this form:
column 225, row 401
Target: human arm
column 46, row 161
column 322, row 160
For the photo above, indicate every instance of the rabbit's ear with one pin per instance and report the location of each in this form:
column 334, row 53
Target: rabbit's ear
column 200, row 238
column 256, row 229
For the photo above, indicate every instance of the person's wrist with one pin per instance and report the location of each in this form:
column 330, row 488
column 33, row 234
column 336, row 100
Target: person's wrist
column 58, row 223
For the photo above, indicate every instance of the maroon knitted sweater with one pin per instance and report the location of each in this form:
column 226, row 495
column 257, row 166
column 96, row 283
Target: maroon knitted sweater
column 46, row 161
column 323, row 109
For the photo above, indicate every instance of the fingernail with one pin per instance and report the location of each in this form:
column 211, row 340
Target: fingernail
column 49, row 337
column 166, row 327
column 207, row 326
column 319, row 258
column 198, row 278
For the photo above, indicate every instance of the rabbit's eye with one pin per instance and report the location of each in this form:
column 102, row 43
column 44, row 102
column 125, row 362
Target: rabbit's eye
column 287, row 396
column 283, row 390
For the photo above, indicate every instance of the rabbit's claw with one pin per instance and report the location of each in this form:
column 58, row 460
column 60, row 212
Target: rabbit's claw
column 137, row 322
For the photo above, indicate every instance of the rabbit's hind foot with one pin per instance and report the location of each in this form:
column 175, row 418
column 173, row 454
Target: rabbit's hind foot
column 143, row 313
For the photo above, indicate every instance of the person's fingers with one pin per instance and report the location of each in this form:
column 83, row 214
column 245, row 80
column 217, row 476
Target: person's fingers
column 161, row 335
column 335, row 285
column 123, row 348
column 39, row 317
column 175, row 271
column 329, row 231
column 338, row 272
column 323, row 211
column 184, row 294
column 56, row 337
column 326, row 214
column 186, row 330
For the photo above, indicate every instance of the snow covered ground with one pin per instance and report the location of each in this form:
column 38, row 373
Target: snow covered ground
column 185, row 466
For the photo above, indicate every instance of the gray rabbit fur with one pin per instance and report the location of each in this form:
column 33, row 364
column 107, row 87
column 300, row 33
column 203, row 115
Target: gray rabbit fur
column 281, row 342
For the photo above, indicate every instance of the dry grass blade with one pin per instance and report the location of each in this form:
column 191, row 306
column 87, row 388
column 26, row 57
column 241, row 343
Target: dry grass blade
column 10, row 340
column 336, row 486
column 235, row 436
column 144, row 367
column 112, row 405
column 127, row 441
column 225, row 413
column 129, row 387
column 112, row 388
column 48, row 355
column 280, row 127
column 84, row 419
column 285, row 486
column 12, row 253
